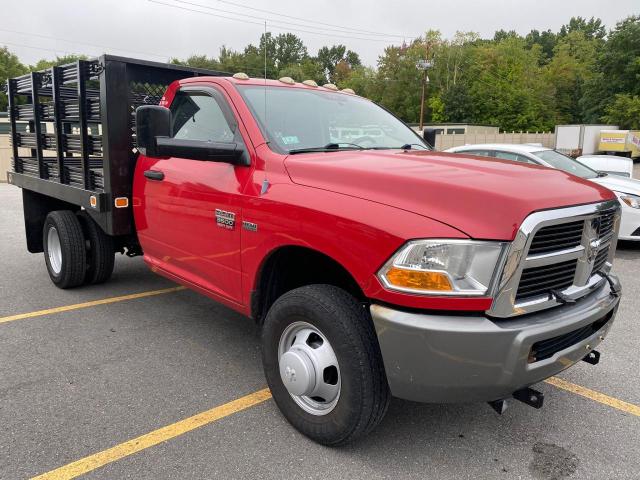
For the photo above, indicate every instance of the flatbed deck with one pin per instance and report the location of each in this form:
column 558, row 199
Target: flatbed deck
column 79, row 143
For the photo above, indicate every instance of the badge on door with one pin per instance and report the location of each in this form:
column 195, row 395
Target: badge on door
column 225, row 219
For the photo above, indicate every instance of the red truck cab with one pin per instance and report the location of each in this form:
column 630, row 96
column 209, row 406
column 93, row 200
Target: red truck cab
column 373, row 265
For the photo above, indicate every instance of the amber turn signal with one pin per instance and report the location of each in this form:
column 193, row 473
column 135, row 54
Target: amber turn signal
column 418, row 280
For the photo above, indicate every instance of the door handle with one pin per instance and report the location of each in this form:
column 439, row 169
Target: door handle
column 154, row 175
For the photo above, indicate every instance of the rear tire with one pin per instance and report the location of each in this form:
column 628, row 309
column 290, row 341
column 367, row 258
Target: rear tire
column 328, row 316
column 64, row 249
column 100, row 251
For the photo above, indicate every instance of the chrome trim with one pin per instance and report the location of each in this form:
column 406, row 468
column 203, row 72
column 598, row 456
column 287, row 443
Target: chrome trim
column 504, row 304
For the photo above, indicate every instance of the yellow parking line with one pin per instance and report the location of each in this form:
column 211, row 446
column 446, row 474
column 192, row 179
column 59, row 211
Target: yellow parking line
column 97, row 460
column 93, row 303
column 155, row 437
column 595, row 396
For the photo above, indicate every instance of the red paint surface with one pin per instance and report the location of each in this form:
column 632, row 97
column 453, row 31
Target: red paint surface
column 356, row 207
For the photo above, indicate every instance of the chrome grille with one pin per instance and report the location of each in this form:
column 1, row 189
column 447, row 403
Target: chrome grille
column 607, row 221
column 557, row 255
column 557, row 237
column 542, row 280
column 601, row 259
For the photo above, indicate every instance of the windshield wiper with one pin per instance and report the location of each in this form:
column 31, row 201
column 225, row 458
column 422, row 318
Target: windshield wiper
column 409, row 146
column 329, row 147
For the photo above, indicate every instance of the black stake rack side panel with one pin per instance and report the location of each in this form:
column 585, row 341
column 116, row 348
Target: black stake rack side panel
column 81, row 130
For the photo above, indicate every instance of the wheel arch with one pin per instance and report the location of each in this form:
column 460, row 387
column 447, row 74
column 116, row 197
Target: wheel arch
column 291, row 266
column 36, row 207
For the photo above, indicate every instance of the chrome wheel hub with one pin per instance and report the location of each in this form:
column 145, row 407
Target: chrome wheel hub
column 54, row 250
column 309, row 368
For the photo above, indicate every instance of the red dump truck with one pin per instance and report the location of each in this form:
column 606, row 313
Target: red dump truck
column 373, row 265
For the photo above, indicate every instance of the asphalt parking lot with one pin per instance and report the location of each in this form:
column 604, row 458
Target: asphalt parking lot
column 113, row 387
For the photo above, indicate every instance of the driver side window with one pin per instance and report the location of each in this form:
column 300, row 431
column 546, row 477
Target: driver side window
column 199, row 116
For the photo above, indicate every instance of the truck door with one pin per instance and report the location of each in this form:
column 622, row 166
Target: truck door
column 189, row 217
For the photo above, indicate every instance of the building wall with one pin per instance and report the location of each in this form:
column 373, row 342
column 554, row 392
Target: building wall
column 447, row 141
column 5, row 157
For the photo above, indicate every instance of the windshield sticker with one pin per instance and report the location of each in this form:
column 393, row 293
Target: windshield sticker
column 290, row 140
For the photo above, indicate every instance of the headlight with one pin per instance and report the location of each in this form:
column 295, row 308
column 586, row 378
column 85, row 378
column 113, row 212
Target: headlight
column 442, row 267
column 631, row 200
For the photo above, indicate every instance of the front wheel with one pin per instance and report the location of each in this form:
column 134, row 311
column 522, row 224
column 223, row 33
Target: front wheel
column 323, row 364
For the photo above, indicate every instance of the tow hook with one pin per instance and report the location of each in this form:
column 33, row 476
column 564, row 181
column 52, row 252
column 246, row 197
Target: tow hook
column 531, row 397
column 527, row 395
column 593, row 357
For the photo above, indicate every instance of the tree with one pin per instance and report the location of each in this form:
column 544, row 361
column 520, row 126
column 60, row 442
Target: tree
column 500, row 35
column 10, row 67
column 624, row 111
column 592, row 28
column 617, row 69
column 290, row 50
column 330, row 57
column 198, row 61
column 546, row 39
column 64, row 60
column 570, row 68
column 507, row 88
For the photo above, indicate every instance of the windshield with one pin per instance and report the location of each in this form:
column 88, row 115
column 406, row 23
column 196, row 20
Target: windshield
column 568, row 164
column 299, row 120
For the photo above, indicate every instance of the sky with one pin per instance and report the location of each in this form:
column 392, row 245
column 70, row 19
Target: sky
column 154, row 30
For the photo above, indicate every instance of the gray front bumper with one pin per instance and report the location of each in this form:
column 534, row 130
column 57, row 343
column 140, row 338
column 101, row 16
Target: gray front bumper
column 457, row 358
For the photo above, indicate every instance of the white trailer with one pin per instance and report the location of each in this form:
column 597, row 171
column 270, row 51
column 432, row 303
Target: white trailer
column 576, row 140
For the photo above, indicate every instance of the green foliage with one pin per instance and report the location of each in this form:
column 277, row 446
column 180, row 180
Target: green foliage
column 580, row 74
column 624, row 111
column 10, row 67
column 64, row 60
column 592, row 28
column 616, row 70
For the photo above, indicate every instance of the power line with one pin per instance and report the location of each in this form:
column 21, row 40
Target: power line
column 271, row 25
column 312, row 21
column 348, row 30
column 56, row 51
column 81, row 43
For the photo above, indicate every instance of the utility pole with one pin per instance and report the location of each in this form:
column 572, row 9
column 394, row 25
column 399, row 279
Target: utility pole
column 423, row 65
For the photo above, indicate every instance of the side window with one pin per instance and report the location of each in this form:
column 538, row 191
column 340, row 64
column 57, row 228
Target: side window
column 481, row 153
column 512, row 156
column 199, row 116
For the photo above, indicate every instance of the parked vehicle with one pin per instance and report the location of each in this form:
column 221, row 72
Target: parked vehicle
column 620, row 142
column 576, row 140
column 611, row 164
column 375, row 267
column 626, row 189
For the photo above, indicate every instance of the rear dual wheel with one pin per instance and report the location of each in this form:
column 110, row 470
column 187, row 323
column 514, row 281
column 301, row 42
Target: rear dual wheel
column 76, row 250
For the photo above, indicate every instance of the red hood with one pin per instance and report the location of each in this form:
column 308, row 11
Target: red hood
column 485, row 198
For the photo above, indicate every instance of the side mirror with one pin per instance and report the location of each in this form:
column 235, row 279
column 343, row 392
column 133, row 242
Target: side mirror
column 429, row 136
column 151, row 121
column 228, row 152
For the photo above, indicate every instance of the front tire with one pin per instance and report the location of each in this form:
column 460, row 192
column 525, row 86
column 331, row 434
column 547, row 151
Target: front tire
column 323, row 364
column 64, row 249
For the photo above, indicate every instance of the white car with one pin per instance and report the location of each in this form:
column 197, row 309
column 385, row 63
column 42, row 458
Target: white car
column 626, row 189
column 611, row 164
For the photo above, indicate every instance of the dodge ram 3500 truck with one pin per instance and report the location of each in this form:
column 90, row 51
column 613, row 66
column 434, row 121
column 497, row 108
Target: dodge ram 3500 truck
column 374, row 266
